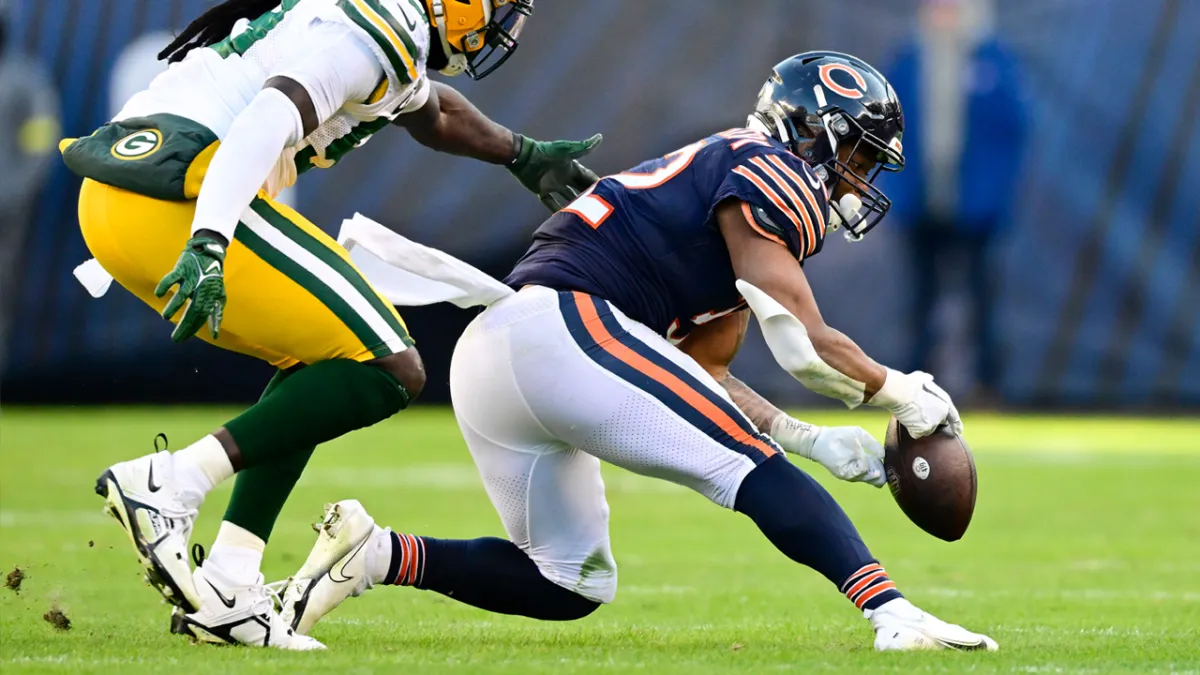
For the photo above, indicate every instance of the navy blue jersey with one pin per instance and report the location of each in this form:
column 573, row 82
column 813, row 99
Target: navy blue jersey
column 647, row 241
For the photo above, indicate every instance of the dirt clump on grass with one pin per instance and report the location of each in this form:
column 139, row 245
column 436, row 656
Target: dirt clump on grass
column 15, row 577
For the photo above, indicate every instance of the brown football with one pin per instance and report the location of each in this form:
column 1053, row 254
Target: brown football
column 932, row 478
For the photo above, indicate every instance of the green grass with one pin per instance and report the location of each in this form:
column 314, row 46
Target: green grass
column 1084, row 557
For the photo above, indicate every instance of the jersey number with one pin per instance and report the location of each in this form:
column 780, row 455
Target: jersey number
column 594, row 210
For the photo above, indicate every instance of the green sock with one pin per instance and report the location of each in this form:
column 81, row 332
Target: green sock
column 317, row 404
column 298, row 408
column 259, row 493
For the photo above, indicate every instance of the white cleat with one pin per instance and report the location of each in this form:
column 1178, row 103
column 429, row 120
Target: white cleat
column 900, row 626
column 336, row 567
column 141, row 495
column 238, row 615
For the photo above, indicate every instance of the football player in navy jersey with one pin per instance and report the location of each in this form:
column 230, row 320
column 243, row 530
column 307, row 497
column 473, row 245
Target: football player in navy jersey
column 629, row 308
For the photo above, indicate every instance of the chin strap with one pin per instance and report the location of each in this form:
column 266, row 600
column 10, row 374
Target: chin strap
column 456, row 62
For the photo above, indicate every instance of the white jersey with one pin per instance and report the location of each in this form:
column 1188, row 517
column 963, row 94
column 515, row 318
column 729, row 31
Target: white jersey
column 362, row 62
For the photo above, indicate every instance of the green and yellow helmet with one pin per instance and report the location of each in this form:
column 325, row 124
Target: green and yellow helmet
column 477, row 36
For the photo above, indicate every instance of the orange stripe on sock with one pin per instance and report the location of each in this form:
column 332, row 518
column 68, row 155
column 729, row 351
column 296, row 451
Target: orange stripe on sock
column 406, row 571
column 404, row 564
column 886, row 586
column 606, row 341
column 864, row 582
column 862, row 570
column 412, row 569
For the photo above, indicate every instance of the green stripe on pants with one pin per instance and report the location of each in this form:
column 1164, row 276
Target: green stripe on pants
column 335, row 261
column 309, row 282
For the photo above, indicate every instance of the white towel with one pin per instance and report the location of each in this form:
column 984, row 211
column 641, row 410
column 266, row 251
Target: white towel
column 409, row 274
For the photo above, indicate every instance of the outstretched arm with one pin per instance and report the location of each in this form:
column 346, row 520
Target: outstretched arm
column 850, row 453
column 822, row 358
column 449, row 123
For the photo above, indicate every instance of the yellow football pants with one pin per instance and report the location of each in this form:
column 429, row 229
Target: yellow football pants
column 293, row 294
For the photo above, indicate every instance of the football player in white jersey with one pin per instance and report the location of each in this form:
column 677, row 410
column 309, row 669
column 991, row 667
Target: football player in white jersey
column 259, row 91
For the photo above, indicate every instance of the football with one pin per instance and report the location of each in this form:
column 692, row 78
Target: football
column 932, row 479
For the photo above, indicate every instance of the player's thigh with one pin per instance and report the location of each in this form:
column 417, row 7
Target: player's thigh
column 293, row 294
column 293, row 290
column 638, row 402
column 549, row 495
column 137, row 239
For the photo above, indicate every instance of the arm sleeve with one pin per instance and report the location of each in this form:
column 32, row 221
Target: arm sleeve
column 249, row 150
column 782, row 199
column 342, row 69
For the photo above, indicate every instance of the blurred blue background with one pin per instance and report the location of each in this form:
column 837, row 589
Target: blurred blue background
column 1057, row 159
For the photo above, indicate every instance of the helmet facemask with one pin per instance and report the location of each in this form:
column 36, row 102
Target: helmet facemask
column 500, row 38
column 852, row 157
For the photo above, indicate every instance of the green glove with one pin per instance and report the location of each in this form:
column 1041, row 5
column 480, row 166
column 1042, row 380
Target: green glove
column 200, row 275
column 551, row 170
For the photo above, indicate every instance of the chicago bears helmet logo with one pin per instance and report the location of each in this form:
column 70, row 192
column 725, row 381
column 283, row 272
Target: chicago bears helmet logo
column 829, row 69
column 138, row 145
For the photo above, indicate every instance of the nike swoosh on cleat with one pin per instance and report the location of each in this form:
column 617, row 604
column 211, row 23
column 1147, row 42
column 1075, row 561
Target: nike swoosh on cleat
column 228, row 602
column 150, row 480
column 339, row 568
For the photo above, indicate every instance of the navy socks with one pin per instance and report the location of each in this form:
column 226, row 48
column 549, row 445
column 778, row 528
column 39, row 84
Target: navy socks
column 804, row 522
column 488, row 573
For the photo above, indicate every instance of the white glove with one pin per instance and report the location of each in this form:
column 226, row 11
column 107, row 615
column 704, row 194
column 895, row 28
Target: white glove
column 919, row 404
column 850, row 453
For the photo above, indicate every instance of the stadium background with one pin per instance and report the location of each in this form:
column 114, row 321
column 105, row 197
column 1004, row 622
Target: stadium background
column 1100, row 294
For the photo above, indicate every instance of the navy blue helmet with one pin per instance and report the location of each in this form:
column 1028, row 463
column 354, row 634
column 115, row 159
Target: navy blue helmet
column 819, row 103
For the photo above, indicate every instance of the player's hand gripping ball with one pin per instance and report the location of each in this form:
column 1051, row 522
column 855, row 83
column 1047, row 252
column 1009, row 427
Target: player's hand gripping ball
column 932, row 478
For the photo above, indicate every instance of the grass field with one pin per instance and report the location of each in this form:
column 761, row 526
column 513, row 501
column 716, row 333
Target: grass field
column 1084, row 557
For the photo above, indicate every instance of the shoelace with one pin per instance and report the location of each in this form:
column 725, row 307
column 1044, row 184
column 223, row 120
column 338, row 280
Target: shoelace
column 278, row 589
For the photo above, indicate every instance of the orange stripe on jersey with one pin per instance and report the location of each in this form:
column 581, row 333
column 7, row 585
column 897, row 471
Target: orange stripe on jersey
column 610, row 344
column 770, row 194
column 813, row 204
column 887, row 586
column 750, row 219
column 809, row 228
column 749, row 141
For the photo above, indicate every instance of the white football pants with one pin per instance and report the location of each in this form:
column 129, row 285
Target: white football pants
column 546, row 384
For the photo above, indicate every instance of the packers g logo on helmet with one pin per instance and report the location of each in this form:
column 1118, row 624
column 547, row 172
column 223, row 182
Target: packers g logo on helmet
column 478, row 36
column 138, row 145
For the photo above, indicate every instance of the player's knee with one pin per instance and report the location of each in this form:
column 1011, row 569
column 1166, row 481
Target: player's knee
column 592, row 579
column 408, row 369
